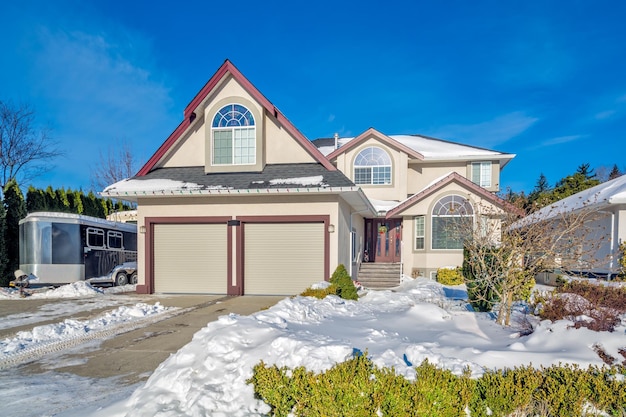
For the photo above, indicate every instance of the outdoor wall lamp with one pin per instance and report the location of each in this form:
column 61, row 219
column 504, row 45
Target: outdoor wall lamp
column 331, row 228
column 142, row 229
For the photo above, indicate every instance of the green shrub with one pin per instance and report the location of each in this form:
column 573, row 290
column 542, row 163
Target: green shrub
column 343, row 281
column 320, row 292
column 359, row 388
column 480, row 294
column 450, row 276
column 504, row 391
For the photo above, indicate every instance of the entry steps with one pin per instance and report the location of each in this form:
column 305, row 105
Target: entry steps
column 377, row 275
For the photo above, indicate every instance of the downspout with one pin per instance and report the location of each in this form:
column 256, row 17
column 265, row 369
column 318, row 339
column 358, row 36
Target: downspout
column 611, row 243
column 351, row 240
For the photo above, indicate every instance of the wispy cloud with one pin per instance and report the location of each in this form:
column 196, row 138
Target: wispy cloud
column 614, row 108
column 490, row 133
column 559, row 140
column 99, row 88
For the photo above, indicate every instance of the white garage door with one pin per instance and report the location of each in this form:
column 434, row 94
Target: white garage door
column 190, row 258
column 282, row 258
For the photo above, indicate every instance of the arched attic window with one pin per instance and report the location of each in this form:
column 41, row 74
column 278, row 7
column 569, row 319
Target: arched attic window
column 372, row 166
column 233, row 136
column 452, row 219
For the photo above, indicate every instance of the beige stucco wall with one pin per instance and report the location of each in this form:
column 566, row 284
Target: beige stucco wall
column 421, row 174
column 237, row 206
column 274, row 144
column 428, row 260
column 189, row 150
column 399, row 160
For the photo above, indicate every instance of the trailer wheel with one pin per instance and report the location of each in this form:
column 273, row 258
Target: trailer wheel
column 133, row 278
column 121, row 278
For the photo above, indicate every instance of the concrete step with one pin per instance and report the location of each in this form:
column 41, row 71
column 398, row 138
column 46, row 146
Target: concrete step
column 380, row 275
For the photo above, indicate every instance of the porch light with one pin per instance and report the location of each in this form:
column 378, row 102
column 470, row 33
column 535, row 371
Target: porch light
column 142, row 229
column 331, row 228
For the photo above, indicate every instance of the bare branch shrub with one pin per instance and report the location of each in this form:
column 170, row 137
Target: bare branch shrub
column 25, row 150
column 504, row 253
column 116, row 165
column 596, row 307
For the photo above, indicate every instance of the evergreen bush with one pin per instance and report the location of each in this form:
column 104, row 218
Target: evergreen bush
column 359, row 388
column 450, row 276
column 345, row 287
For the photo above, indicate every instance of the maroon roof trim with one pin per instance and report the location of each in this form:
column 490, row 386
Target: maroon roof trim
column 453, row 176
column 382, row 137
column 189, row 114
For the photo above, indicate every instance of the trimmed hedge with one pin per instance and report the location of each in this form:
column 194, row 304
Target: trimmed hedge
column 359, row 388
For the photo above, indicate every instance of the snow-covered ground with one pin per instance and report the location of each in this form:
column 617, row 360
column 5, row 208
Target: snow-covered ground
column 419, row 320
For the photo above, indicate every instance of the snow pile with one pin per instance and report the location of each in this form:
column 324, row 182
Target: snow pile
column 80, row 289
column 400, row 329
column 74, row 329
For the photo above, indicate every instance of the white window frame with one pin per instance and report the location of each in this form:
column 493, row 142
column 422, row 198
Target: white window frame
column 447, row 207
column 376, row 163
column 481, row 173
column 239, row 123
column 96, row 232
column 115, row 235
column 419, row 234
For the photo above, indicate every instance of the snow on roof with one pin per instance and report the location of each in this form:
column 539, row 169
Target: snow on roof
column 602, row 195
column 383, row 205
column 132, row 185
column 304, row 181
column 431, row 148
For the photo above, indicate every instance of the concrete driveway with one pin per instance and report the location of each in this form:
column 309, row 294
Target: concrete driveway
column 134, row 355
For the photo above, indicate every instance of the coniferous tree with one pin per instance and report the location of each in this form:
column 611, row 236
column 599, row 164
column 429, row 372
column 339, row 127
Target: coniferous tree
column 15, row 211
column 615, row 173
column 540, row 195
column 584, row 169
column 51, row 199
column 35, row 200
column 62, row 200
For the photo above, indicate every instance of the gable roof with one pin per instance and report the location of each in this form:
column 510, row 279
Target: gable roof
column 432, row 149
column 442, row 182
column 189, row 114
column 371, row 132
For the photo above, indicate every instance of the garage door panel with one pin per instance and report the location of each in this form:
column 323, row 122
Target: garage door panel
column 190, row 258
column 282, row 258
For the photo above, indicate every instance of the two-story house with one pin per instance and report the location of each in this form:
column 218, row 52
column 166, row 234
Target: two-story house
column 238, row 201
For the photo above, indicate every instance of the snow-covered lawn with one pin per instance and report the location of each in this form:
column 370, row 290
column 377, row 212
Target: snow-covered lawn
column 419, row 320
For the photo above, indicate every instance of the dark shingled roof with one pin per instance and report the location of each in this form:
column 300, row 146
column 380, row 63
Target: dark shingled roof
column 251, row 180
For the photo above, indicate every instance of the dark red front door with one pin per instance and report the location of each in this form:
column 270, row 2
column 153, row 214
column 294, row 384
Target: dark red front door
column 385, row 240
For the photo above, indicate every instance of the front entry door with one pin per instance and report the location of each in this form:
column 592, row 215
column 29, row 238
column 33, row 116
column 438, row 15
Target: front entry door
column 387, row 240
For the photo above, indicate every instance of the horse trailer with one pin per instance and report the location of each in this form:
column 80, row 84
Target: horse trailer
column 61, row 248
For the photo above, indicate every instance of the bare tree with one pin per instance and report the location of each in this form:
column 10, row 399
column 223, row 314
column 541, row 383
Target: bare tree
column 117, row 164
column 505, row 254
column 25, row 150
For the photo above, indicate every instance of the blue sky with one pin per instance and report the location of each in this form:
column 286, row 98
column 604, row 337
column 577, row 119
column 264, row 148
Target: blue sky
column 545, row 80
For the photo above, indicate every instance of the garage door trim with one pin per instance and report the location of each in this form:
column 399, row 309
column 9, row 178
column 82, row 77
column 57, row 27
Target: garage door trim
column 149, row 222
column 325, row 219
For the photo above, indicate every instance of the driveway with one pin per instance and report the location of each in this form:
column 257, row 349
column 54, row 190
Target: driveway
column 131, row 356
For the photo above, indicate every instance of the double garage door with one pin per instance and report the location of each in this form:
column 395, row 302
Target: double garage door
column 276, row 258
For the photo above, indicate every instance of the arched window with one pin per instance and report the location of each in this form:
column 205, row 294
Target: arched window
column 233, row 136
column 452, row 219
column 372, row 166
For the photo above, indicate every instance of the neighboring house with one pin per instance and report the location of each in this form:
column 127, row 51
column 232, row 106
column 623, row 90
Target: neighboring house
column 238, row 201
column 596, row 243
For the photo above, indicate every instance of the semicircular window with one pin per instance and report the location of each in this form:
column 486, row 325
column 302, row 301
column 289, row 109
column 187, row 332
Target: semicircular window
column 452, row 218
column 372, row 166
column 233, row 136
